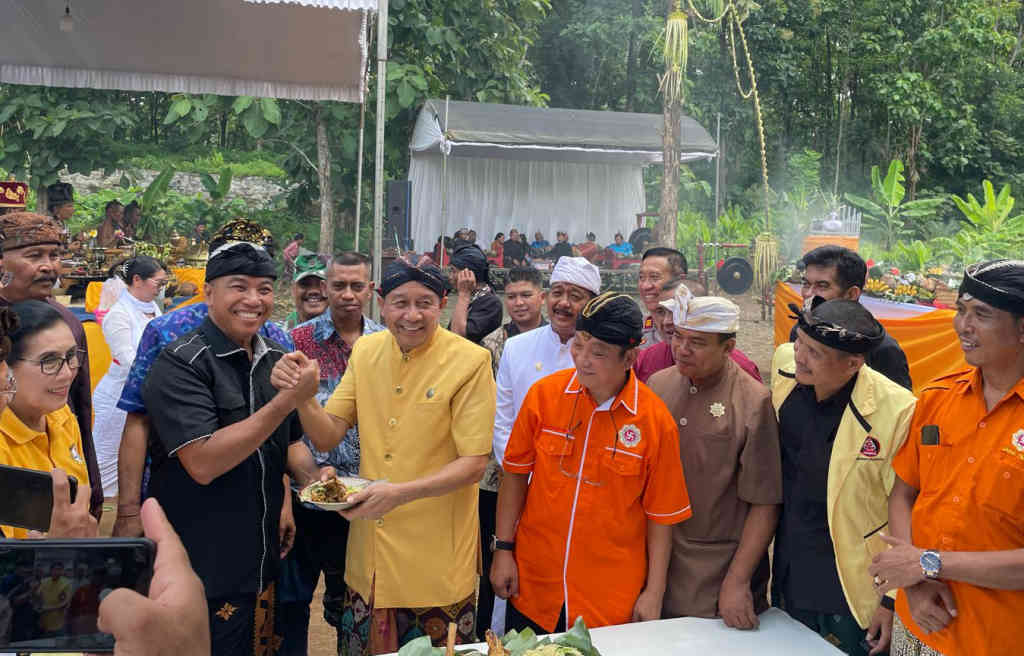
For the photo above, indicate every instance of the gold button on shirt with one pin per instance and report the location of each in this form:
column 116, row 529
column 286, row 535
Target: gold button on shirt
column 424, row 553
column 60, row 446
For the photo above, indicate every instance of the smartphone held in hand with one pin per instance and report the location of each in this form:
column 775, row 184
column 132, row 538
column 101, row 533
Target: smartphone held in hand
column 26, row 498
column 50, row 590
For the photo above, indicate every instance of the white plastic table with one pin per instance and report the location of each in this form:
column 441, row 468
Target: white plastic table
column 778, row 635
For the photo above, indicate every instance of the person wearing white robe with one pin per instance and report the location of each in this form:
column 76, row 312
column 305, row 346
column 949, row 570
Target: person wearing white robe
column 122, row 328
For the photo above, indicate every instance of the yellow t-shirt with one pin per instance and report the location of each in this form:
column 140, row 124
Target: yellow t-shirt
column 54, row 595
column 60, row 446
column 417, row 412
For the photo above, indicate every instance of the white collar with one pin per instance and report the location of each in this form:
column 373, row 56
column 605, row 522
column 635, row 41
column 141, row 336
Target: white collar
column 139, row 306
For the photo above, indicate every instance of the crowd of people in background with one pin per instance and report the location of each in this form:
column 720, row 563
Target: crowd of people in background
column 587, row 456
column 516, row 250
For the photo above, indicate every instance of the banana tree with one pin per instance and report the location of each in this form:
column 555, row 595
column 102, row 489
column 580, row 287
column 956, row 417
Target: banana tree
column 887, row 213
column 993, row 216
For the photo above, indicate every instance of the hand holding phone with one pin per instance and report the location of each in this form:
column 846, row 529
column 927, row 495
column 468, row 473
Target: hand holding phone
column 70, row 520
column 173, row 620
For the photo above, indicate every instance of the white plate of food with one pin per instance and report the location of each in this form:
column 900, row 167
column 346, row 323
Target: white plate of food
column 331, row 494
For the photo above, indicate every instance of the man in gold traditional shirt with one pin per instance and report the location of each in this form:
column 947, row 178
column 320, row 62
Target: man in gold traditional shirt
column 424, row 399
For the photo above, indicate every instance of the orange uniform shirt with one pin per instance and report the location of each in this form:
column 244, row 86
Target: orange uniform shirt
column 971, row 499
column 599, row 474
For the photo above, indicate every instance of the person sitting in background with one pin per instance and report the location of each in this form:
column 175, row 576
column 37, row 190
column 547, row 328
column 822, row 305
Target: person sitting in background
column 515, row 252
column 291, row 251
column 122, row 329
column 113, row 228
column 589, row 249
column 562, row 247
column 308, row 293
column 132, row 217
column 497, row 252
column 661, row 355
column 60, row 202
column 539, row 246
column 39, row 431
column 621, row 247
column 198, row 234
column 478, row 309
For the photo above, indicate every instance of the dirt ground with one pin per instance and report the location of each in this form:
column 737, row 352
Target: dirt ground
column 755, row 338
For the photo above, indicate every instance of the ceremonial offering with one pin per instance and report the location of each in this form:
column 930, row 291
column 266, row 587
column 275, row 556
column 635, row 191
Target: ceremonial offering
column 332, row 494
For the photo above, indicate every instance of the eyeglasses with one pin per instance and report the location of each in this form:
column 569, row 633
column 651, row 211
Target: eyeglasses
column 569, row 430
column 52, row 364
column 160, row 283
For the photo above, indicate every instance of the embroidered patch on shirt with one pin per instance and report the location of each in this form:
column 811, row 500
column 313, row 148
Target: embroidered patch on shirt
column 1018, row 440
column 75, row 455
column 716, row 409
column 226, row 611
column 629, row 435
column 871, row 448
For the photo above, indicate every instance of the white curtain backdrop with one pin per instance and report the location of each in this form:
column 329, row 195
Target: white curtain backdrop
column 494, row 195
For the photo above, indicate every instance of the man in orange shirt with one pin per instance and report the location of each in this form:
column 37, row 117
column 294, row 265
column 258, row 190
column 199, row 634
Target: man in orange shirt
column 591, row 534
column 956, row 512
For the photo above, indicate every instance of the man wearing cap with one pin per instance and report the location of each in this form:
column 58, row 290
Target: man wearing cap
column 840, row 425
column 830, row 272
column 423, row 399
column 478, row 309
column 590, row 533
column 533, row 355
column 31, row 246
column 13, row 196
column 655, row 358
column 308, row 291
column 223, row 437
column 956, row 514
column 60, row 202
column 729, row 442
column 132, row 471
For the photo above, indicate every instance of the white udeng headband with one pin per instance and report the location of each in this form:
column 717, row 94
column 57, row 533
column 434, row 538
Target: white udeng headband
column 226, row 246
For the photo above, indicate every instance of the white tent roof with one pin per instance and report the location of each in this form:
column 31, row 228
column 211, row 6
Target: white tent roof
column 266, row 48
column 490, row 130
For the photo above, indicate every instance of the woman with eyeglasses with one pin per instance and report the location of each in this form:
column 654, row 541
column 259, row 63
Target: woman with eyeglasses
column 122, row 328
column 37, row 428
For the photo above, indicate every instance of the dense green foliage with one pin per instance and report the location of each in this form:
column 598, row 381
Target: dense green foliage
column 937, row 85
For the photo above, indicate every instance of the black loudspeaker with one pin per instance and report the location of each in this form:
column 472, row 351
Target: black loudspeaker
column 397, row 222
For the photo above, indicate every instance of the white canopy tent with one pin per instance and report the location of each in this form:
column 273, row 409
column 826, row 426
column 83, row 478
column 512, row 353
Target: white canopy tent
column 264, row 48
column 494, row 167
column 314, row 50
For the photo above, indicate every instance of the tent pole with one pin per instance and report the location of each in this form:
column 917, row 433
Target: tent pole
column 378, row 164
column 444, row 180
column 718, row 162
column 359, row 161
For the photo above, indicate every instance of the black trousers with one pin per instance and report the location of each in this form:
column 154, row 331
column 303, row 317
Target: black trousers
column 516, row 620
column 485, row 604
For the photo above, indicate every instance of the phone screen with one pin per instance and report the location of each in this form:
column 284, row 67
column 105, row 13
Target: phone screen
column 50, row 590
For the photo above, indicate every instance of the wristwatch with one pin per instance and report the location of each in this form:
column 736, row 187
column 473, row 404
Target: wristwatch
column 497, row 544
column 931, row 564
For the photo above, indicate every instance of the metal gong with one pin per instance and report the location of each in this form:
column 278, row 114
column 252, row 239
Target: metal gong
column 735, row 276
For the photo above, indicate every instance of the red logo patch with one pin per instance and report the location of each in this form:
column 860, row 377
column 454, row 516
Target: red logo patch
column 871, row 448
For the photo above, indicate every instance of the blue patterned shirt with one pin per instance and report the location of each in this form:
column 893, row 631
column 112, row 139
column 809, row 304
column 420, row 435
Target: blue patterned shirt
column 163, row 330
column 319, row 340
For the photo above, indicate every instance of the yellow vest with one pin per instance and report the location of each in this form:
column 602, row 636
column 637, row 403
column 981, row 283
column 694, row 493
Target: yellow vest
column 860, row 473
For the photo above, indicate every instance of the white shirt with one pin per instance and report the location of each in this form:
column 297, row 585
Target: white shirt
column 122, row 329
column 526, row 359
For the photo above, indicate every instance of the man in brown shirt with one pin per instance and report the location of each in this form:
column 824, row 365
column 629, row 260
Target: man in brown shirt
column 729, row 444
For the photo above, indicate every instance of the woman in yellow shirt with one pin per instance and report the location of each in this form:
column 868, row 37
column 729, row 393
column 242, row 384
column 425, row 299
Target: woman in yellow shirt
column 37, row 429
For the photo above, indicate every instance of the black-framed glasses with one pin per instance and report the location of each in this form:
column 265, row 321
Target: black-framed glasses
column 52, row 364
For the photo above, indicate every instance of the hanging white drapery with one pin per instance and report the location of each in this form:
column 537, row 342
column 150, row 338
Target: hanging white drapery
column 494, row 195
